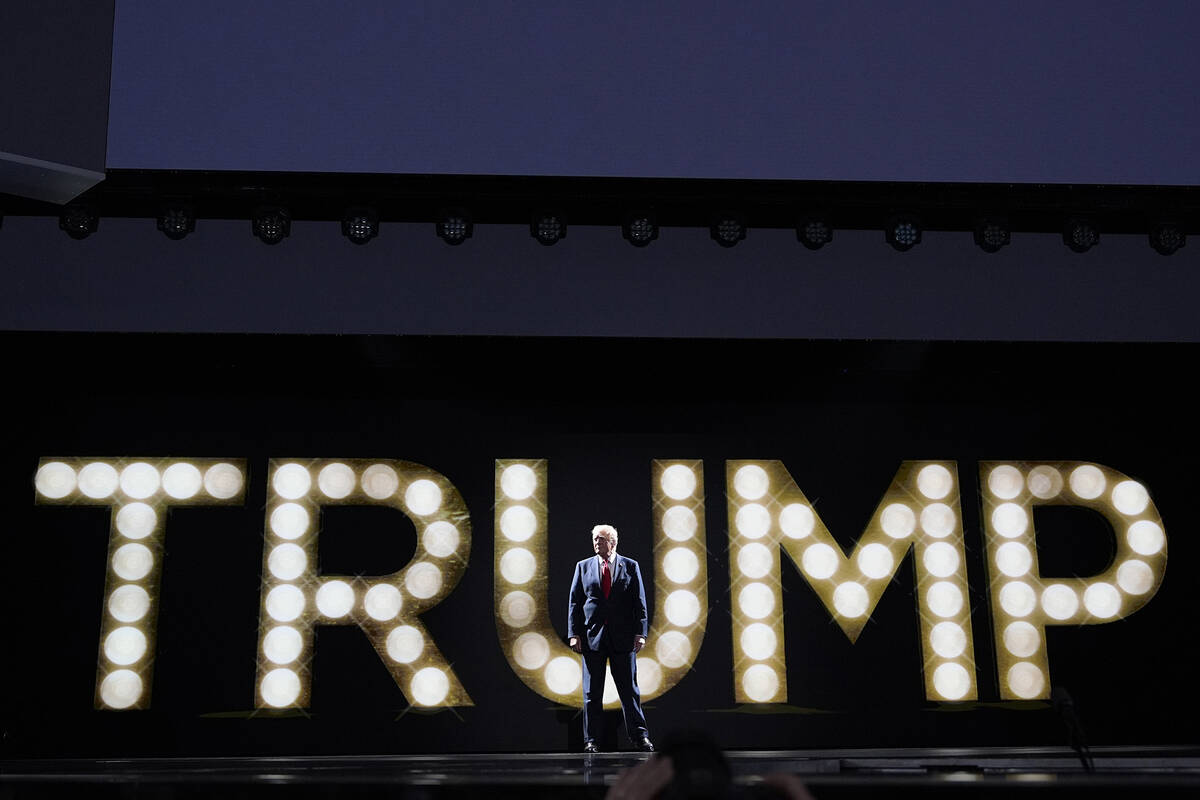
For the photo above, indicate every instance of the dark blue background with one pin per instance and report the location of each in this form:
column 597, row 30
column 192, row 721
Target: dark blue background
column 1076, row 91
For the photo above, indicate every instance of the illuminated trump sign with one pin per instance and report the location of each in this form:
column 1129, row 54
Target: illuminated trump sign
column 919, row 514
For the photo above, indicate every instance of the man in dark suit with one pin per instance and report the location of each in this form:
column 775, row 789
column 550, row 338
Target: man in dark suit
column 607, row 622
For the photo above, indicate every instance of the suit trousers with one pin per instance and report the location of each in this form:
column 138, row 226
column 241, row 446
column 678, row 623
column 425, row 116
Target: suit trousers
column 624, row 672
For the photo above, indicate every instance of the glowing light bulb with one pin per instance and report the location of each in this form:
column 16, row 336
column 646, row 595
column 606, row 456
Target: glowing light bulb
column 55, row 480
column 818, row 561
column 1044, row 482
column 1022, row 639
column 948, row 639
column 678, row 482
column 1005, row 481
column 1059, row 601
column 938, row 520
column 680, row 523
column 682, row 608
column 289, row 520
column 1018, row 599
column 531, row 650
column 951, row 681
column 756, row 600
column 182, row 480
column 563, row 675
column 673, row 649
column 754, row 560
column 796, row 520
column 518, row 481
column 760, row 683
column 280, row 687
column 850, row 599
column 753, row 521
column 1130, row 498
column 440, row 539
column 382, row 601
column 336, row 480
column 139, row 480
column 423, row 580
column 1135, row 577
column 758, row 641
column 136, row 520
column 940, row 559
column 516, row 609
column 518, row 565
column 335, row 599
column 875, row 561
column 380, row 481
column 518, row 523
column 751, row 482
column 223, row 481
column 292, row 481
column 898, row 521
column 944, row 599
column 934, row 481
column 1145, row 538
column 404, row 644
column 1009, row 520
column 1087, row 482
column 423, row 497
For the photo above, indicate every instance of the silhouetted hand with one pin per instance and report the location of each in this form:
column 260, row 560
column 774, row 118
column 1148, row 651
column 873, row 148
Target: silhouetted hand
column 644, row 781
column 788, row 785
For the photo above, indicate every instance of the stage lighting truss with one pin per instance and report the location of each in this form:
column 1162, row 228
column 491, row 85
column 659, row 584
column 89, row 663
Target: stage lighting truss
column 360, row 225
column 992, row 233
column 79, row 221
column 814, row 232
column 728, row 229
column 1167, row 237
column 271, row 224
column 454, row 227
column 548, row 227
column 903, row 231
column 1081, row 234
column 639, row 228
column 177, row 220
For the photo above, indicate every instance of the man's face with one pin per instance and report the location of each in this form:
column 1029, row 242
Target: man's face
column 602, row 544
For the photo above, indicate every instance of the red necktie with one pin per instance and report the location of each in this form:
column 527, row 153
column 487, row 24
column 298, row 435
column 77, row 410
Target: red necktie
column 605, row 578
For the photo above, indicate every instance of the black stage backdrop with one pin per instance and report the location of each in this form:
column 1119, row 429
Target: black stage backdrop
column 840, row 415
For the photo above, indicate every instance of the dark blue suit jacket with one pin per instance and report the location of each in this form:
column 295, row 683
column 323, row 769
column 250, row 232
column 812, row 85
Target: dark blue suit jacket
column 622, row 614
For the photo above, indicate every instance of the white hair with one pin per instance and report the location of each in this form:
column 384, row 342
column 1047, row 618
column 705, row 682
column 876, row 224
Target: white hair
column 608, row 530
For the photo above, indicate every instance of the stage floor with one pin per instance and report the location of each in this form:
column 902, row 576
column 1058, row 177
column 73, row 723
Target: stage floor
column 1162, row 771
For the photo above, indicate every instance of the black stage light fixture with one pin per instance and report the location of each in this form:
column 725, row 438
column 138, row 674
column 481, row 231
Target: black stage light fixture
column 639, row 228
column 79, row 220
column 177, row 220
column 814, row 232
column 360, row 225
column 455, row 226
column 271, row 224
column 548, row 227
column 1081, row 234
column 1167, row 237
column 727, row 229
column 992, row 233
column 903, row 231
